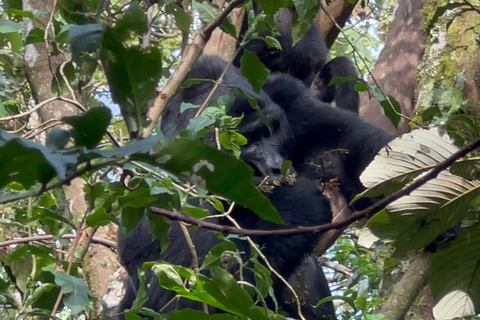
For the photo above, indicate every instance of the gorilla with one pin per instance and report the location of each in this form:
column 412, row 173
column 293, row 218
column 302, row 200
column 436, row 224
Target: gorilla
column 299, row 204
column 307, row 61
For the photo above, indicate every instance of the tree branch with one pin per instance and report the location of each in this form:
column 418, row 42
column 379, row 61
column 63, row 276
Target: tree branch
column 356, row 216
column 191, row 55
column 104, row 242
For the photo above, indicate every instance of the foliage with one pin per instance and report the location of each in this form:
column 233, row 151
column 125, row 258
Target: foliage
column 136, row 54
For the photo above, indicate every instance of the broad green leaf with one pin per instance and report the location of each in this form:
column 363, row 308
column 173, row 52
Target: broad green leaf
column 133, row 75
column 27, row 162
column 182, row 19
column 254, row 70
column 8, row 26
column 76, row 290
column 415, row 220
column 89, row 127
column 219, row 172
column 458, row 268
column 134, row 20
column 84, row 38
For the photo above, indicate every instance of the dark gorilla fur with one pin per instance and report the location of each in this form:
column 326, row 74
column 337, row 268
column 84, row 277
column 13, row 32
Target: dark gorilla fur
column 344, row 94
column 303, row 61
column 307, row 61
column 298, row 204
column 318, row 127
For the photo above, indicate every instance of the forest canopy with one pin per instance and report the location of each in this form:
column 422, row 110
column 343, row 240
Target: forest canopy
column 239, row 159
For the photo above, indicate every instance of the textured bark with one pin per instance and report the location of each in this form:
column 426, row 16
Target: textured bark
column 222, row 44
column 407, row 289
column 340, row 11
column 38, row 70
column 39, row 73
column 452, row 61
column 396, row 67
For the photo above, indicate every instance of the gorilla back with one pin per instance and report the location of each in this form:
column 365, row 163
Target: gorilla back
column 298, row 204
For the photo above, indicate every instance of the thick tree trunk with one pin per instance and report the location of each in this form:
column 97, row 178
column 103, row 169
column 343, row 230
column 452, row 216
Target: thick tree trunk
column 396, row 68
column 40, row 67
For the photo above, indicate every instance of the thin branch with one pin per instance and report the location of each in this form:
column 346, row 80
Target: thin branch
column 41, row 104
column 356, row 216
column 472, row 6
column 104, row 242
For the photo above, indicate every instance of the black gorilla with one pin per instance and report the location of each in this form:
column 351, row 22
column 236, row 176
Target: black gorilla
column 298, row 204
column 307, row 61
column 317, row 127
column 344, row 94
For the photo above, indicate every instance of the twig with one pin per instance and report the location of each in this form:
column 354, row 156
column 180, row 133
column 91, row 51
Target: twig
column 472, row 6
column 259, row 294
column 104, row 242
column 41, row 104
column 193, row 252
column 217, row 84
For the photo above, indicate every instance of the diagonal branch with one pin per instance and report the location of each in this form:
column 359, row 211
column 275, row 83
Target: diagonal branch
column 356, row 216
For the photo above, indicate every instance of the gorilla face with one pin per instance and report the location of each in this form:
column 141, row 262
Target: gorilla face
column 266, row 127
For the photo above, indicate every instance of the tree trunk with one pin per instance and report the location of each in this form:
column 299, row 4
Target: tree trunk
column 396, row 68
column 40, row 67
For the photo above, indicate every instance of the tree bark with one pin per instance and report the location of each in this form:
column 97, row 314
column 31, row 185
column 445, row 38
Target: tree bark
column 407, row 289
column 396, row 67
column 40, row 67
column 340, row 11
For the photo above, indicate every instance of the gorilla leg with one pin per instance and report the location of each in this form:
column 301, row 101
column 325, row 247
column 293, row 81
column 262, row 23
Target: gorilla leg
column 344, row 94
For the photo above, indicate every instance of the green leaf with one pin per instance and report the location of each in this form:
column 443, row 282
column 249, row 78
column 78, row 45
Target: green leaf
column 272, row 6
column 415, row 220
column 26, row 162
column 8, row 26
column 254, row 70
column 458, row 267
column 35, row 36
column 132, row 75
column 27, row 14
column 222, row 174
column 100, row 218
column 213, row 257
column 134, row 20
column 306, row 11
column 273, row 42
column 84, row 38
column 89, row 127
column 189, row 314
column 390, row 106
column 228, row 27
column 182, row 19
column 196, row 127
column 76, row 290
column 206, row 11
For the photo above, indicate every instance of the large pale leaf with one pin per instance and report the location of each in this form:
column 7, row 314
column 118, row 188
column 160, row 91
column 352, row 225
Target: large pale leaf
column 404, row 159
column 455, row 275
column 414, row 221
